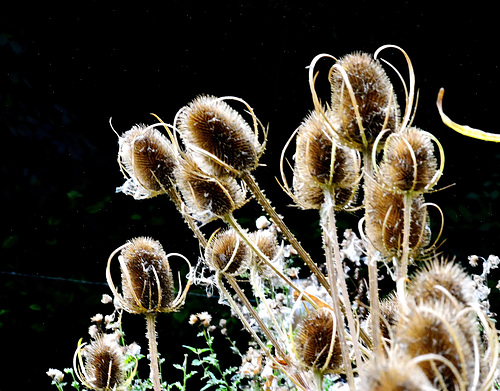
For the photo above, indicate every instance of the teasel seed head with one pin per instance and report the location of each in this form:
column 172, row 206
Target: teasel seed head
column 389, row 314
column 385, row 221
column 218, row 137
column 371, row 109
column 147, row 282
column 207, row 196
column 104, row 367
column 316, row 344
column 409, row 163
column 227, row 253
column 321, row 164
column 266, row 241
column 148, row 161
column 395, row 373
column 444, row 333
column 442, row 280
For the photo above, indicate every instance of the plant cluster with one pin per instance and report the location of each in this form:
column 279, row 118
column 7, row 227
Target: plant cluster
column 360, row 153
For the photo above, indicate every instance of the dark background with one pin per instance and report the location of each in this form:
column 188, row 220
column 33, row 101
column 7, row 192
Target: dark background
column 66, row 69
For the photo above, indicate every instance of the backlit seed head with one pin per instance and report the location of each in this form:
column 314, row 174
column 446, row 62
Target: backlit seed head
column 439, row 329
column 208, row 197
column 375, row 101
column 147, row 281
column 395, row 373
column 428, row 283
column 104, row 364
column 409, row 163
column 227, row 253
column 323, row 165
column 210, row 124
column 316, row 343
column 385, row 221
column 148, row 161
column 266, row 241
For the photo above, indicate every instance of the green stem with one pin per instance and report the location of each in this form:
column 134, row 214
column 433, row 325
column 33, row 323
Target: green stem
column 153, row 350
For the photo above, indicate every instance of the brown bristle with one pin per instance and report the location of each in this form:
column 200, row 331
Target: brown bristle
column 206, row 196
column 385, row 221
column 408, row 170
column 104, row 364
column 395, row 373
column 375, row 100
column 147, row 281
column 227, row 253
column 212, row 125
column 313, row 342
column 427, row 284
column 148, row 158
column 439, row 329
column 389, row 314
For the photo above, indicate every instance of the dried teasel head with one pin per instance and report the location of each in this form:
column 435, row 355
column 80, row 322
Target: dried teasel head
column 266, row 242
column 389, row 314
column 227, row 253
column 321, row 164
column 385, row 221
column 444, row 341
column 363, row 101
column 442, row 280
column 395, row 373
column 218, row 137
column 208, row 197
column 316, row 344
column 148, row 161
column 409, row 163
column 147, row 281
column 100, row 365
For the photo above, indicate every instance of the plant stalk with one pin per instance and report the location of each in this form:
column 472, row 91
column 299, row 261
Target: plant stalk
column 153, row 350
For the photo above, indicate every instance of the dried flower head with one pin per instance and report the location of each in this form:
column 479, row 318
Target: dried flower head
column 385, row 221
column 147, row 160
column 323, row 165
column 208, row 197
column 316, row 343
column 218, row 137
column 147, row 281
column 266, row 242
column 227, row 253
column 363, row 101
column 409, row 163
column 104, row 367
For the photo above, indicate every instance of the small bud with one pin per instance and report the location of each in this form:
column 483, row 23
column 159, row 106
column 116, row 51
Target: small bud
column 210, row 124
column 148, row 160
column 227, row 253
column 375, row 108
column 56, row 375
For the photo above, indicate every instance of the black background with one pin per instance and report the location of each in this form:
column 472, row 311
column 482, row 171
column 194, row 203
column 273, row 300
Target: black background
column 66, row 69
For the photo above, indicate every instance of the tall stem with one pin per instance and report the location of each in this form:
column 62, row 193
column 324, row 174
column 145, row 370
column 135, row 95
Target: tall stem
column 403, row 267
column 153, row 350
column 266, row 205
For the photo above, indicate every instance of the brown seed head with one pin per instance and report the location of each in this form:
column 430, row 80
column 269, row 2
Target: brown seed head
column 104, row 364
column 212, row 125
column 208, row 197
column 385, row 221
column 409, row 163
column 147, row 281
column 316, row 346
column 375, row 101
column 227, row 253
column 266, row 242
column 148, row 160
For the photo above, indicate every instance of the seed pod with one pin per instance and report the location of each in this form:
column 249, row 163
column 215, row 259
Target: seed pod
column 323, row 165
column 395, row 373
column 389, row 314
column 147, row 281
column 385, row 221
column 375, row 107
column 227, row 253
column 148, row 160
column 266, row 242
column 209, row 124
column 409, row 163
column 439, row 329
column 316, row 345
column 428, row 283
column 207, row 196
column 104, row 364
